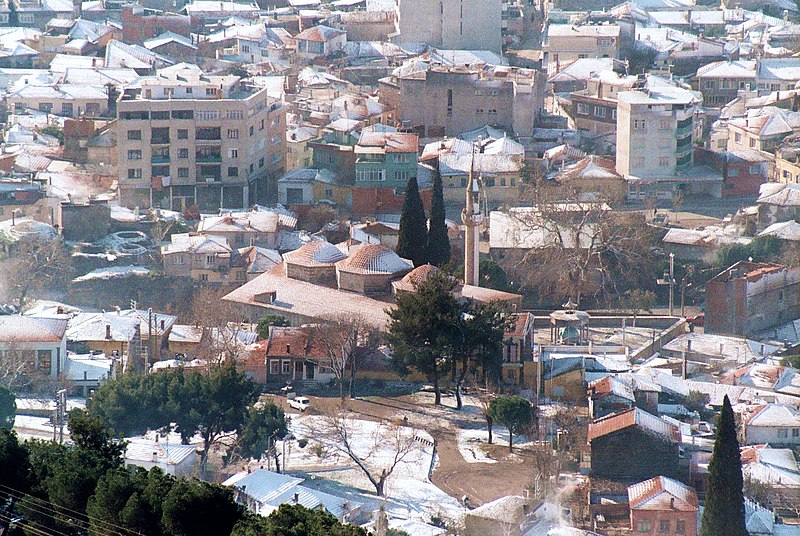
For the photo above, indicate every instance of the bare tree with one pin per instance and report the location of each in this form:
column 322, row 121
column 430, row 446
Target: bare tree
column 339, row 433
column 35, row 263
column 571, row 247
column 347, row 339
column 223, row 324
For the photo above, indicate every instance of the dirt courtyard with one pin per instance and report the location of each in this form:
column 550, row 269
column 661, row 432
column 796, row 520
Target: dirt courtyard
column 481, row 481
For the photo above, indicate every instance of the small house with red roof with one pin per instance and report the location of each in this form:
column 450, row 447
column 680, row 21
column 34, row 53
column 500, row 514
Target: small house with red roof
column 320, row 41
column 634, row 445
column 36, row 346
column 289, row 354
column 662, row 505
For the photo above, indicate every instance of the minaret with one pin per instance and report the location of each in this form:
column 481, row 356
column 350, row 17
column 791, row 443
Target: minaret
column 472, row 218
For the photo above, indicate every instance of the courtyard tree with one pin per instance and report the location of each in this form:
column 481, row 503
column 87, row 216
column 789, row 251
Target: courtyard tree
column 346, row 338
column 576, row 248
column 413, row 227
column 437, row 248
column 421, row 329
column 222, row 324
column 477, row 341
column 388, row 443
column 267, row 321
column 36, row 263
column 724, row 506
column 513, row 412
column 262, row 424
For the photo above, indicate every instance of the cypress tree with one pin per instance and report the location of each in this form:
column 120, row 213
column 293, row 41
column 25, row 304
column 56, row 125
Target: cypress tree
column 437, row 248
column 724, row 508
column 413, row 228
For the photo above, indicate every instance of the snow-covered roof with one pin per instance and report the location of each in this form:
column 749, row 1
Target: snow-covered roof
column 187, row 242
column 784, row 195
column 315, row 253
column 373, row 259
column 143, row 450
column 775, row 415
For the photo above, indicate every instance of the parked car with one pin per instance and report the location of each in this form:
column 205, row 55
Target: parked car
column 300, row 403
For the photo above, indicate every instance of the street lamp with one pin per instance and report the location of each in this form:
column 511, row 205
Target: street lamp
column 669, row 279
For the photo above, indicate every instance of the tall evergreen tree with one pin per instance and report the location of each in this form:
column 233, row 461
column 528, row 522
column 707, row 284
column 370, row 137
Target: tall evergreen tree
column 413, row 228
column 437, row 249
column 724, row 508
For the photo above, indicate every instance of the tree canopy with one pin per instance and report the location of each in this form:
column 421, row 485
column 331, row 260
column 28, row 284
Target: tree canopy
column 413, row 226
column 437, row 247
column 8, row 408
column 724, row 506
column 514, row 412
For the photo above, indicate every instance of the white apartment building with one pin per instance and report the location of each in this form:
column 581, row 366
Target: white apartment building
column 187, row 139
column 655, row 137
column 451, row 24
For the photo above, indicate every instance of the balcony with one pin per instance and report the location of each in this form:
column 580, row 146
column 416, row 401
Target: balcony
column 208, row 159
column 682, row 132
column 159, row 141
column 162, row 159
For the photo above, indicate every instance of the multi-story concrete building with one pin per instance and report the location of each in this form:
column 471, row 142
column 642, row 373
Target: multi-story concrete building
column 750, row 297
column 386, row 159
column 187, row 139
column 451, row 24
column 565, row 43
column 443, row 100
column 655, row 138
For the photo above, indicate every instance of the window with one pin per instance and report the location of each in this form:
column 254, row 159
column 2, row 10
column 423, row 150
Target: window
column 135, row 173
column 752, row 142
column 235, row 114
column 183, row 114
column 663, row 526
column 489, row 182
column 755, row 169
column 183, row 172
column 134, row 134
column 207, row 115
column 209, row 259
column 183, row 152
column 599, row 111
column 614, row 114
column 795, row 432
column 644, row 525
column 233, row 172
column 583, row 108
column 233, row 153
column 245, row 48
column 329, row 193
column 370, row 175
column 708, row 84
column 639, row 124
column 260, row 162
column 401, row 176
column 159, row 115
column 179, row 259
column 664, row 124
column 160, row 171
column 208, row 133
column 233, row 133
column 783, row 433
column 188, row 91
column 204, row 278
column 286, row 366
column 261, row 125
column 502, row 182
column 738, row 137
column 663, row 161
column 135, row 154
column 159, row 135
column 276, row 121
column 44, row 360
column 66, row 108
column 26, row 18
column 513, row 182
column 183, row 134
column 274, row 366
column 252, row 129
column 680, row 527
column 276, row 157
column 211, row 91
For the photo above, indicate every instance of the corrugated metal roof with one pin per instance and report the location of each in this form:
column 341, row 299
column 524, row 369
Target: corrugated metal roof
column 634, row 417
column 662, row 493
column 18, row 328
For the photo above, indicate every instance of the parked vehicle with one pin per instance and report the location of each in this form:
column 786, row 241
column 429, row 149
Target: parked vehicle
column 300, row 403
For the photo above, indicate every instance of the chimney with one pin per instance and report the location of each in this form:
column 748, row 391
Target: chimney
column 108, row 331
column 296, row 498
column 162, row 325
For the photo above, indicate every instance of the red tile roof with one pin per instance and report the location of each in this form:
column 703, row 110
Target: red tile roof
column 373, row 259
column 315, row 253
column 662, row 493
column 292, row 341
column 633, row 417
column 520, row 323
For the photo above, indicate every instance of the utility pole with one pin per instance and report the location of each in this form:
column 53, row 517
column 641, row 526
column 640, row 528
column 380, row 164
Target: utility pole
column 671, row 281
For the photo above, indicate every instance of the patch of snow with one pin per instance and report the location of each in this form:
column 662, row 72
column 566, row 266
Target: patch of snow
column 113, row 272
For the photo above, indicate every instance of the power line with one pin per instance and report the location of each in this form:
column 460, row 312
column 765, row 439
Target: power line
column 29, row 526
column 50, row 509
column 42, row 509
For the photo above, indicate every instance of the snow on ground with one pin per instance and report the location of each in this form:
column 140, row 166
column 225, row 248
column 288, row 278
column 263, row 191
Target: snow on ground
column 471, row 442
column 410, row 494
column 113, row 272
column 28, row 427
